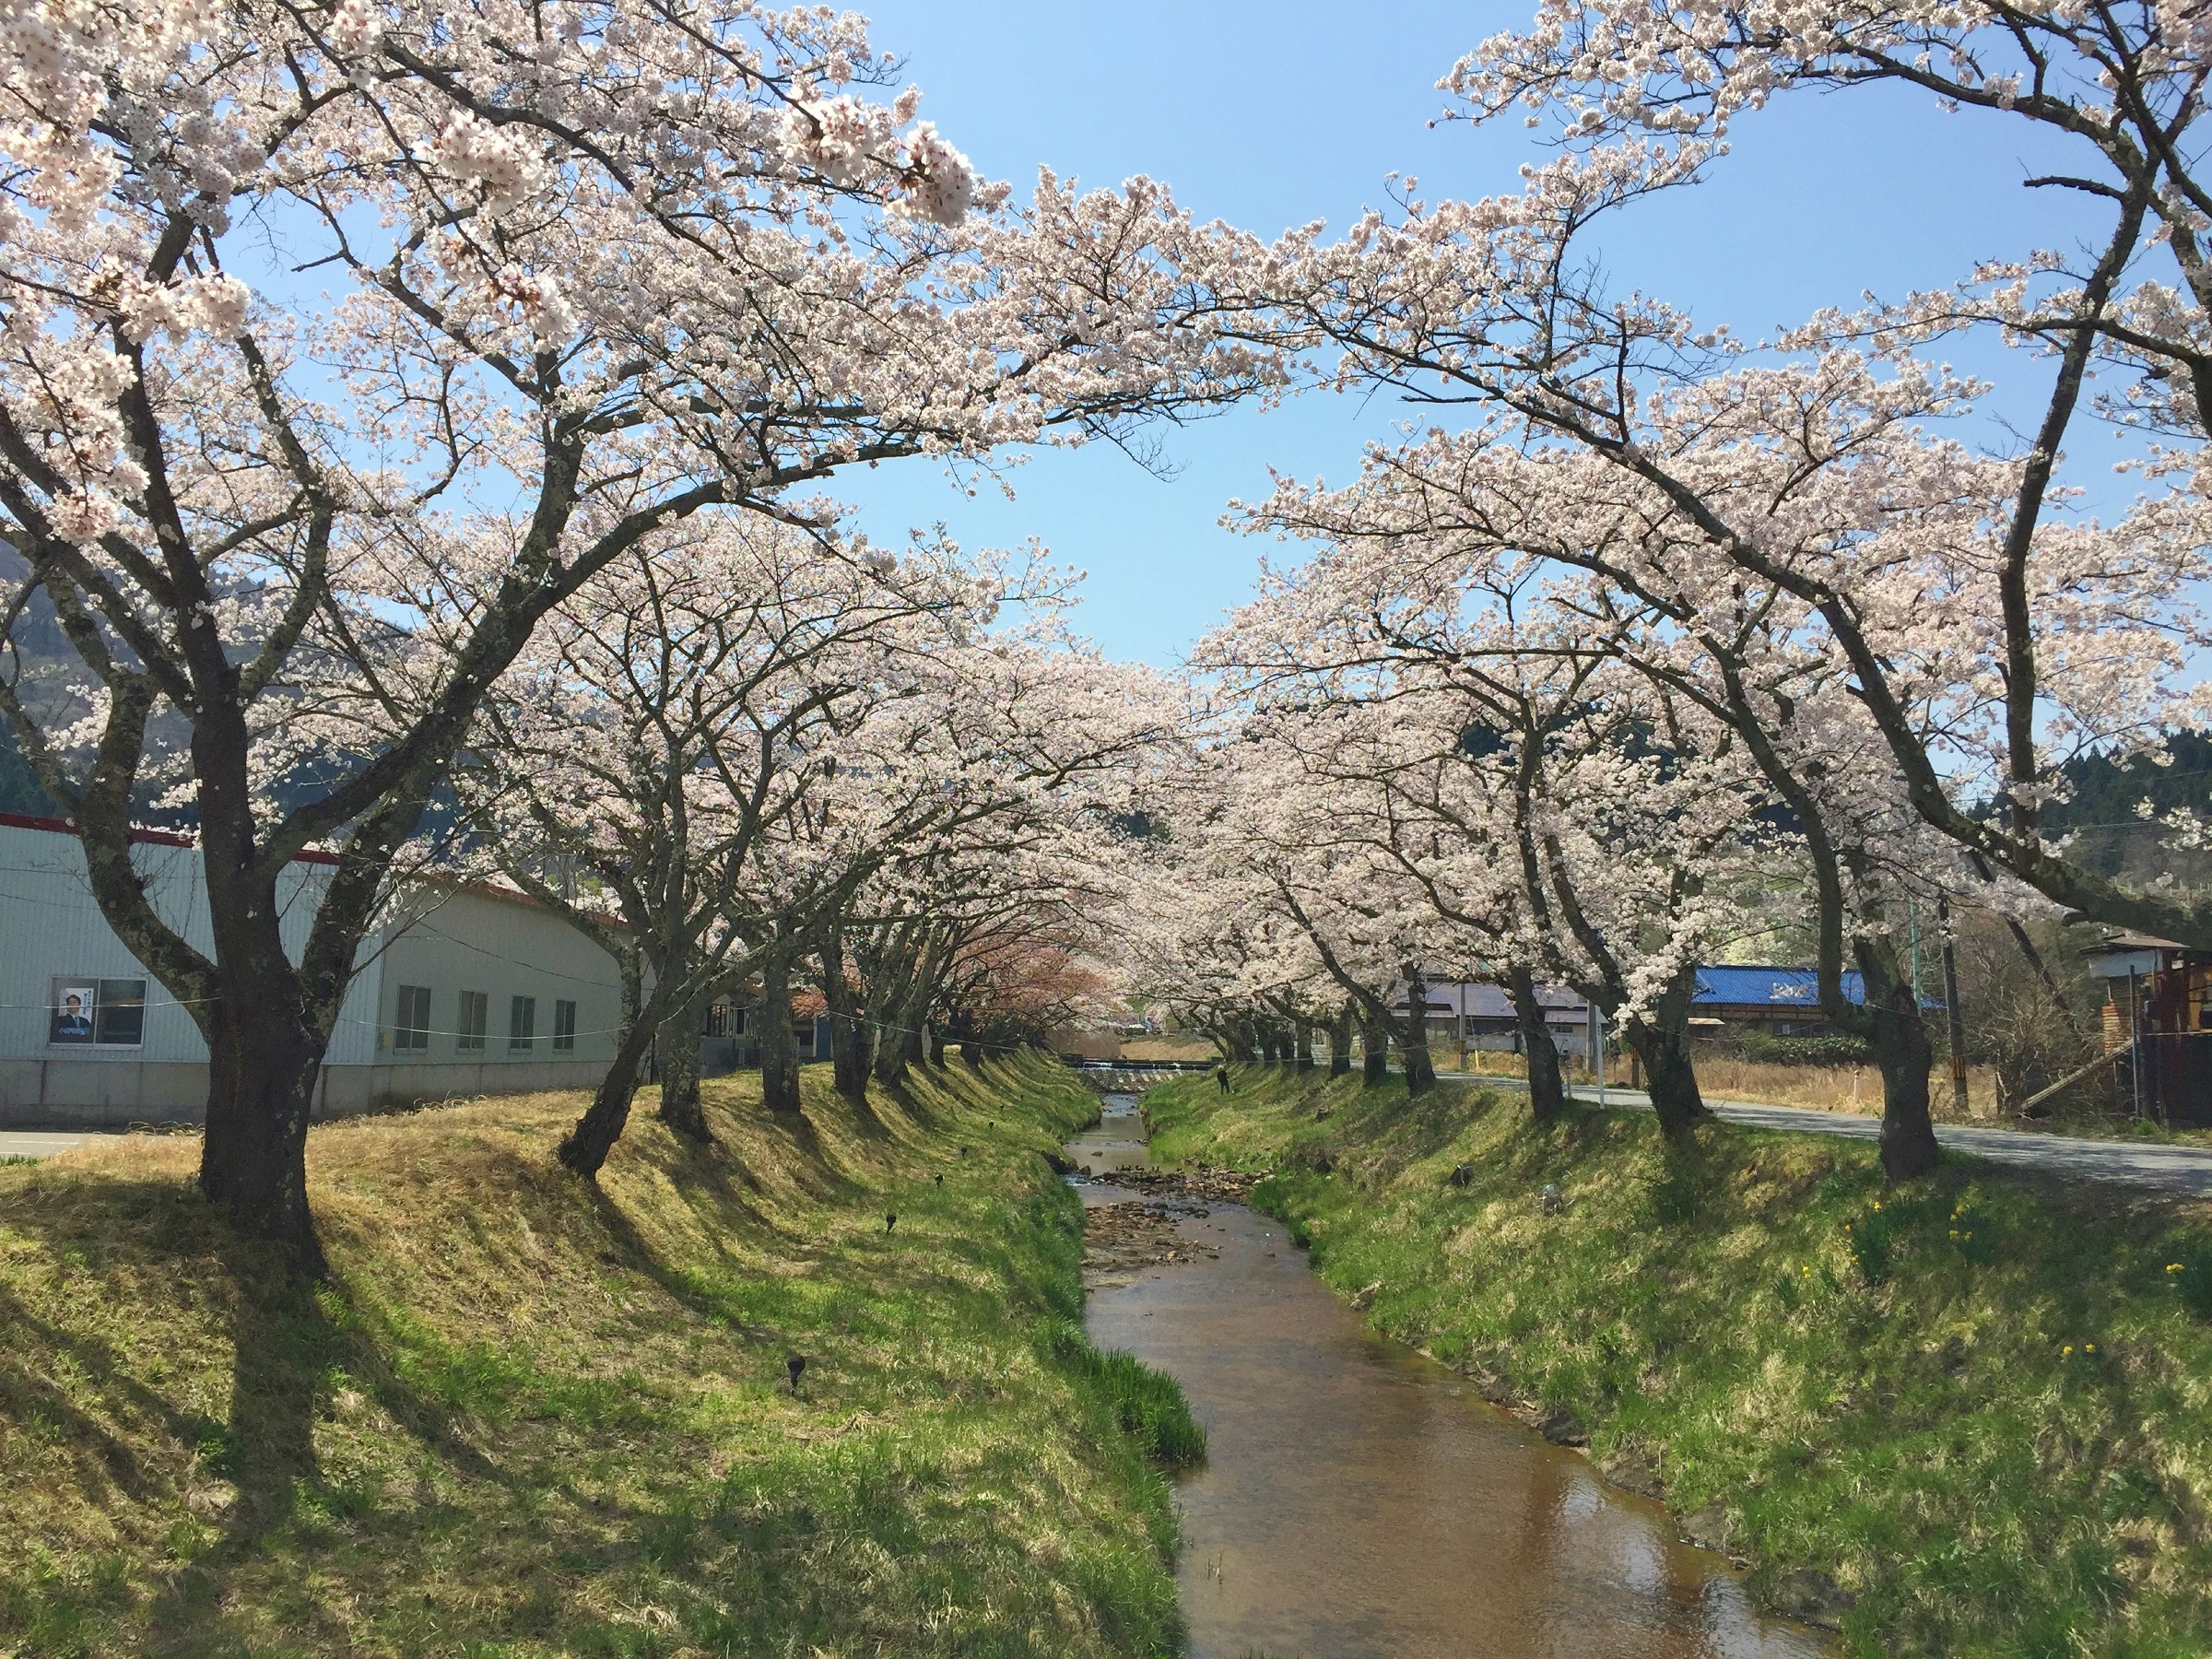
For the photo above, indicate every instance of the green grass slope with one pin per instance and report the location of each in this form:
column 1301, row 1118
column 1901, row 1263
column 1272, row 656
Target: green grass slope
column 527, row 1418
column 1981, row 1405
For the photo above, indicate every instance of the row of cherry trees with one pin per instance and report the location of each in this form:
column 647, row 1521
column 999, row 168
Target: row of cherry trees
column 346, row 343
column 1651, row 614
column 1445, row 763
column 361, row 357
column 769, row 753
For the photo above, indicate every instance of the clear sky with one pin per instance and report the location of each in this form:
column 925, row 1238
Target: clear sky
column 1272, row 114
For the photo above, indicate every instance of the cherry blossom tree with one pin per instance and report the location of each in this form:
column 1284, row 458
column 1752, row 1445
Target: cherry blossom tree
column 1555, row 534
column 1549, row 810
column 672, row 719
column 598, row 267
column 1499, row 306
column 2121, row 89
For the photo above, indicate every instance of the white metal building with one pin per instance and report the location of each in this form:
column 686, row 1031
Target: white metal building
column 470, row 990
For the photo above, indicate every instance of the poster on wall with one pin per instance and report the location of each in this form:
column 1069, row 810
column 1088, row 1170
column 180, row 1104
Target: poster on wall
column 74, row 1006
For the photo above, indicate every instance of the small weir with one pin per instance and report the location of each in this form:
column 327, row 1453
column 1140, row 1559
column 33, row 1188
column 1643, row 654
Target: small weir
column 1359, row 1499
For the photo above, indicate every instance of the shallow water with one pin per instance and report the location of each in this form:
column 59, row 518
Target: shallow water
column 1115, row 1142
column 1359, row 1499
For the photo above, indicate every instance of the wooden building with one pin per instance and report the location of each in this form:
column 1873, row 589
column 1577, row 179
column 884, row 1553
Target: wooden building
column 2158, row 1008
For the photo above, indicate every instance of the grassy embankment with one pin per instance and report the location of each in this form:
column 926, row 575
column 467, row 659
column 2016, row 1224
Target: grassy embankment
column 1981, row 1404
column 527, row 1418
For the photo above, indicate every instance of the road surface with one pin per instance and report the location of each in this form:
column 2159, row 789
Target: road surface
column 31, row 1143
column 2185, row 1170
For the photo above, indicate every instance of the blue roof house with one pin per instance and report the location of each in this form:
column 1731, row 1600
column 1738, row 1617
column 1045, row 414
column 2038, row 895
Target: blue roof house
column 1782, row 1001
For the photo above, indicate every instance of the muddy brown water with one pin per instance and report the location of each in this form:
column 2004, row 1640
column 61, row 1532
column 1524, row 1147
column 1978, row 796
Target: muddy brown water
column 1359, row 1499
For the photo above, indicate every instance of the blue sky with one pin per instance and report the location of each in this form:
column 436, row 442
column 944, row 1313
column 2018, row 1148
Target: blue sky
column 1270, row 115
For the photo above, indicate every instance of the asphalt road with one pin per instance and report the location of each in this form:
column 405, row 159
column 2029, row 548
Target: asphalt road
column 39, row 1143
column 2186, row 1170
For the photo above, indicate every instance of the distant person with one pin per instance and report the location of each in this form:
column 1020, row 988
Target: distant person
column 1221, row 1077
column 73, row 1022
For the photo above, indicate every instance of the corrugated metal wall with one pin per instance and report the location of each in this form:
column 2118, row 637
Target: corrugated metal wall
column 445, row 938
column 50, row 928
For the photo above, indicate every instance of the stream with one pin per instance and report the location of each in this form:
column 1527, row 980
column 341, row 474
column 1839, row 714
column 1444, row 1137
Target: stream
column 1359, row 1499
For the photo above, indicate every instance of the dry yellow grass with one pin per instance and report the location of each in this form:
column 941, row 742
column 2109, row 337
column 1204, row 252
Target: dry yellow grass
column 1820, row 1088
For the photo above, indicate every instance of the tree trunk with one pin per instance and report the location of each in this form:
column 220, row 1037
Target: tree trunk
column 1663, row 1047
column 1374, row 1049
column 972, row 1055
column 936, row 1049
column 848, row 1030
column 586, row 1146
column 261, row 1075
column 1546, row 1090
column 1237, row 1041
column 1270, row 1050
column 779, row 1042
column 1420, row 1068
column 901, row 1040
column 890, row 1060
column 1898, row 1036
column 1954, row 1017
column 679, row 1042
column 895, row 1037
column 1303, row 1029
column 1340, row 1043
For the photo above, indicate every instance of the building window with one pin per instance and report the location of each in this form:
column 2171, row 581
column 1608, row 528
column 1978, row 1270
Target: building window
column 564, row 1026
column 476, row 1013
column 522, row 1023
column 97, row 1013
column 411, row 1023
column 121, row 1021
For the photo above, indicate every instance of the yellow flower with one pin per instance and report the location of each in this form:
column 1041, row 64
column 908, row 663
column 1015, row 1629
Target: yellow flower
column 2067, row 1349
column 2173, row 1266
column 2088, row 1348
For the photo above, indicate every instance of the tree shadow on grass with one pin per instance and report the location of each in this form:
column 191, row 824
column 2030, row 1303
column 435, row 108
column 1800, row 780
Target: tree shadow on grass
column 287, row 1355
column 113, row 1403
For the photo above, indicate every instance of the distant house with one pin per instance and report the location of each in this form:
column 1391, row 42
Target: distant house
column 2158, row 1008
column 1784, row 1002
column 1780, row 1002
column 732, row 1039
column 469, row 990
column 1481, row 1016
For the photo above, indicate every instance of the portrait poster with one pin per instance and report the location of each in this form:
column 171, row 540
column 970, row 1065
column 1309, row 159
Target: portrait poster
column 75, row 1006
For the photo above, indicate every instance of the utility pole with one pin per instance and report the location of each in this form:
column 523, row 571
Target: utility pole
column 1912, row 919
column 1597, row 1051
column 2134, row 1041
column 1954, row 1017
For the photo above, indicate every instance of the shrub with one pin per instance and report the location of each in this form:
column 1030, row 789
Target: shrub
column 1770, row 1050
